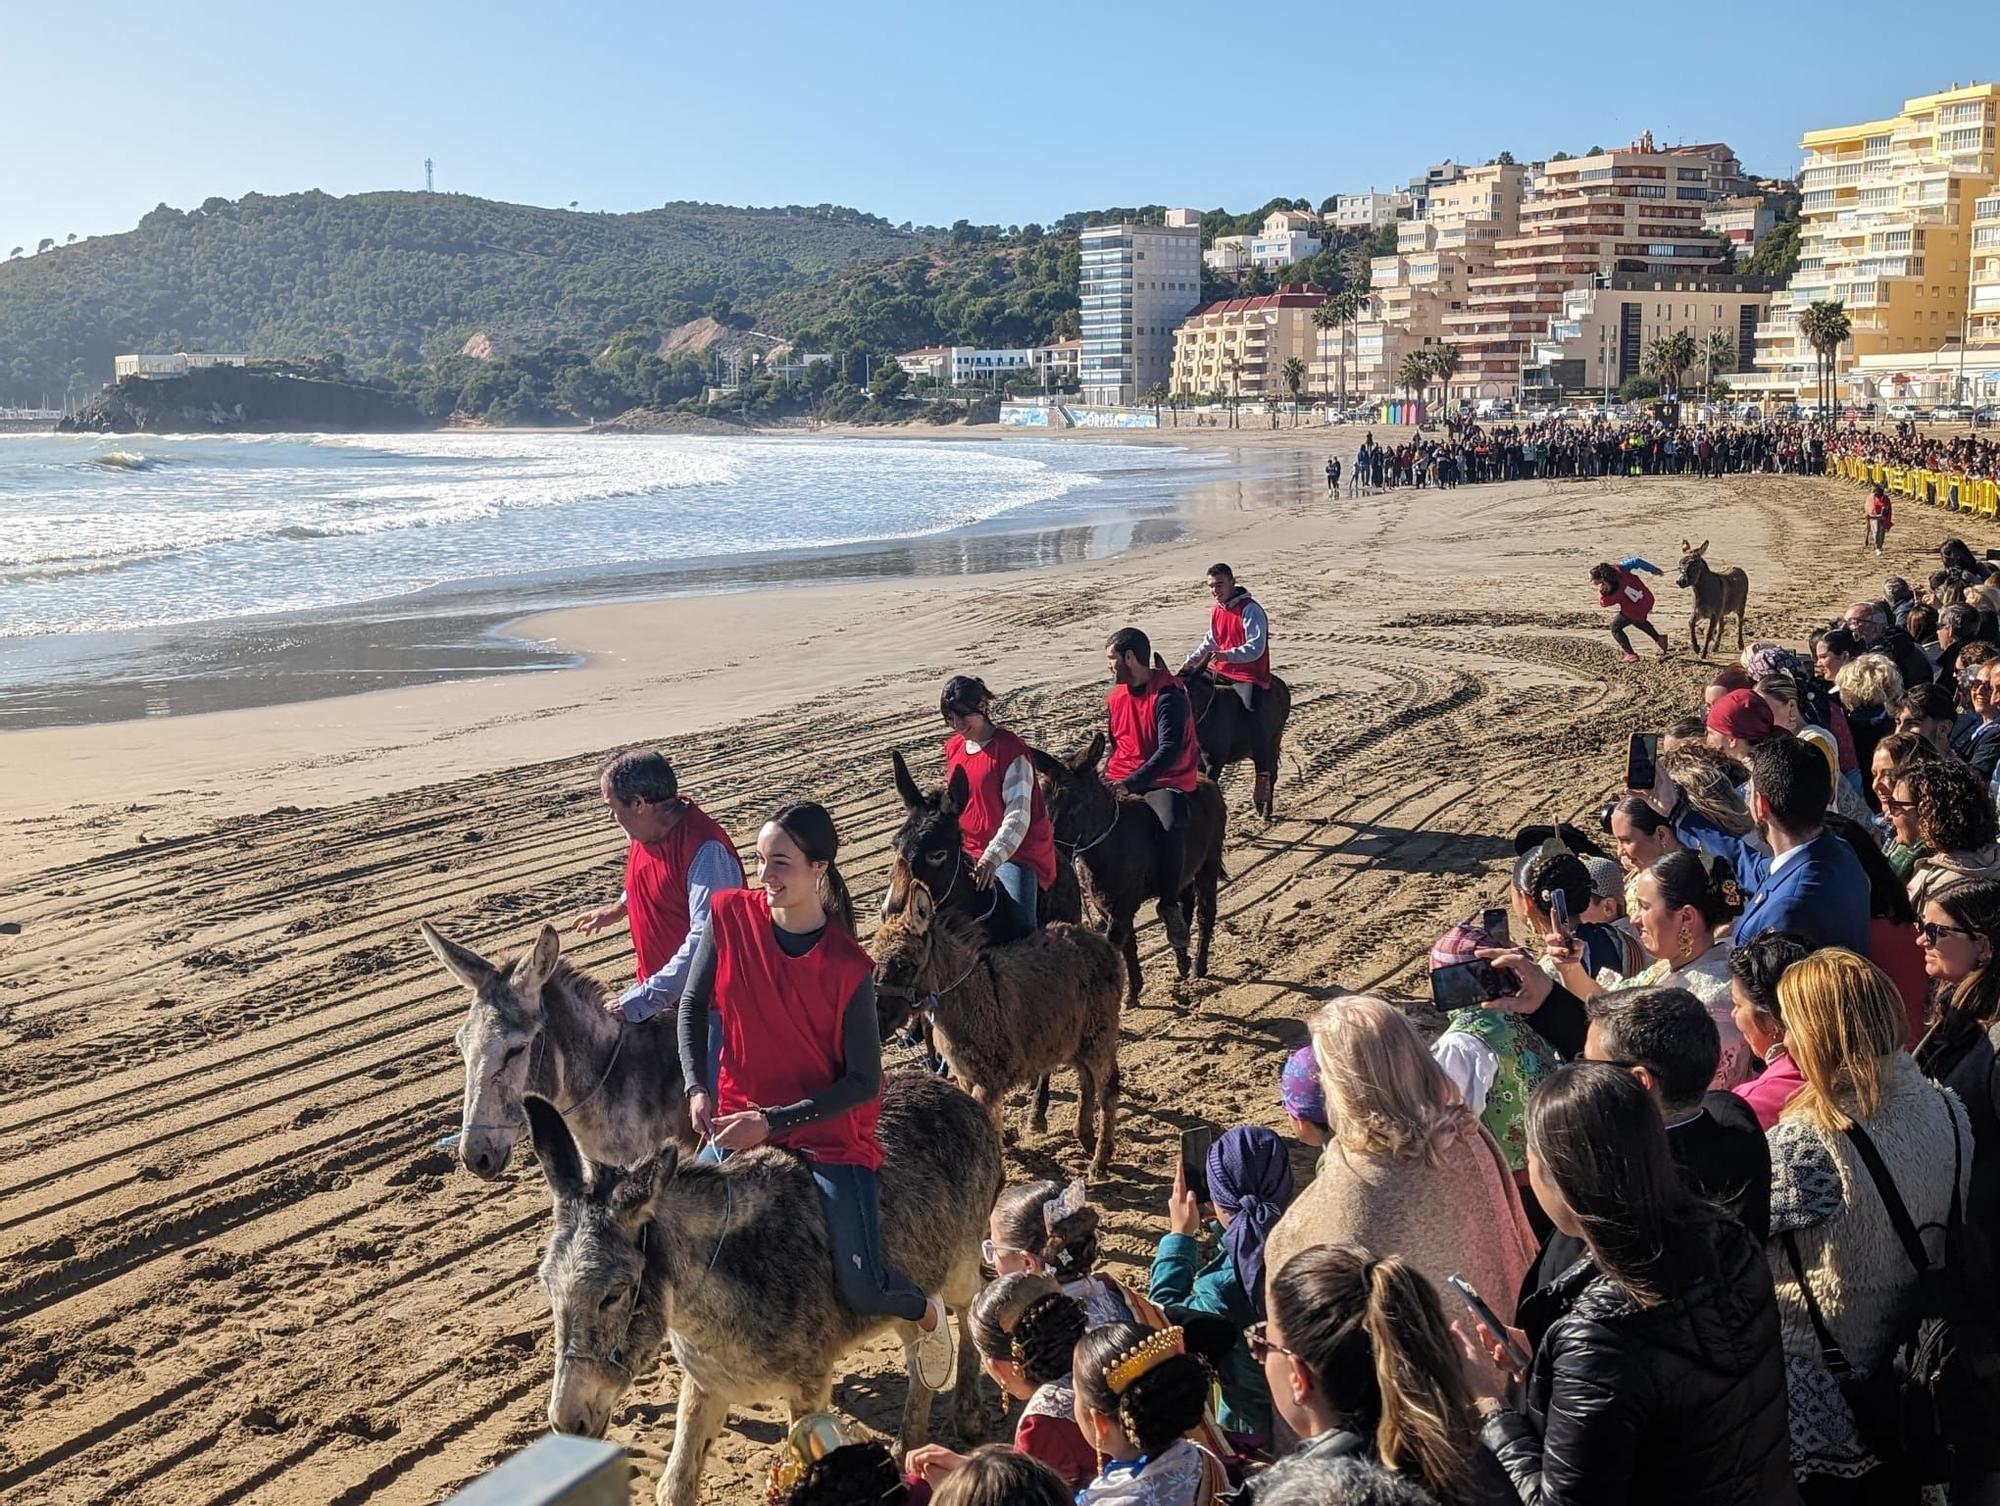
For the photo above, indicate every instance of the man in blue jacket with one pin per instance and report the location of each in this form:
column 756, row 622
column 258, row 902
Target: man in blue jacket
column 1810, row 882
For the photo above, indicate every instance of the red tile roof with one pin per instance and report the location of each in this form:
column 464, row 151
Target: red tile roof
column 1293, row 295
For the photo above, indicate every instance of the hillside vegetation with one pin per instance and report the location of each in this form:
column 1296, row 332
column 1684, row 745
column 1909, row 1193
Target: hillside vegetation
column 398, row 279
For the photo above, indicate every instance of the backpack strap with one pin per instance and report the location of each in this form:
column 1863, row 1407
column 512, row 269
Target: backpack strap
column 1892, row 1199
column 1831, row 1355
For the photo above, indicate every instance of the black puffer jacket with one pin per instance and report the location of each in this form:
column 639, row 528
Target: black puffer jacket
column 1681, row 1403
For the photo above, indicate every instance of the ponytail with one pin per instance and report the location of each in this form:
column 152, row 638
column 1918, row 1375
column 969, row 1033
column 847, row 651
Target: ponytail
column 835, row 899
column 811, row 827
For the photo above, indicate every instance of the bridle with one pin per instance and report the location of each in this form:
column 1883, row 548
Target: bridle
column 541, row 1044
column 1076, row 851
column 615, row 1358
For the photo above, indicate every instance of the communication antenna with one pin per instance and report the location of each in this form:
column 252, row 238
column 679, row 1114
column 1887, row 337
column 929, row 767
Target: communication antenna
column 427, row 176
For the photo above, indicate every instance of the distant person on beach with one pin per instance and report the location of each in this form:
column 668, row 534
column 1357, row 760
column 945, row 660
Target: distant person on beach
column 677, row 861
column 1237, row 651
column 1619, row 586
column 1881, row 518
column 1154, row 754
column 1332, row 477
column 1003, row 823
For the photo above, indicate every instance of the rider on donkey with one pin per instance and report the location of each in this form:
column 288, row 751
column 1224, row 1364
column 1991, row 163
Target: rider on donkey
column 677, row 861
column 1004, row 824
column 1154, row 755
column 1238, row 650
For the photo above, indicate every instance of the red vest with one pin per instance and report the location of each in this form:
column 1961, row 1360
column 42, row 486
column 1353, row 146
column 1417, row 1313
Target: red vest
column 985, row 773
column 1632, row 596
column 782, row 1022
column 656, row 895
column 1226, row 622
column 1134, row 735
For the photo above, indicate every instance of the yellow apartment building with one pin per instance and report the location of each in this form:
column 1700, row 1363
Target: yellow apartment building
column 1238, row 346
column 1890, row 216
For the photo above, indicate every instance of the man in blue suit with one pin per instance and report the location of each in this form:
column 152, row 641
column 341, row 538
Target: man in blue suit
column 1810, row 882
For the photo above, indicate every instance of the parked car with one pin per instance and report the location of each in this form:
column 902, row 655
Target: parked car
column 1901, row 412
column 1987, row 415
column 1948, row 413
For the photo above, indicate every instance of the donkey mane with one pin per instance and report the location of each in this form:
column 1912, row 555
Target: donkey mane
column 565, row 979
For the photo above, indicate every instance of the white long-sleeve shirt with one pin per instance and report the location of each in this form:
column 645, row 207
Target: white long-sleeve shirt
column 1017, row 793
column 1255, row 630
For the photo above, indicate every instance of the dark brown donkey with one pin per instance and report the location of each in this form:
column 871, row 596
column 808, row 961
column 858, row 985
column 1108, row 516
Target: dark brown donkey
column 1110, row 834
column 1222, row 727
column 930, row 846
column 1717, row 594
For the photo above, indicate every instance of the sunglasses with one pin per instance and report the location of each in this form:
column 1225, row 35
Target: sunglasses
column 1257, row 1339
column 1932, row 930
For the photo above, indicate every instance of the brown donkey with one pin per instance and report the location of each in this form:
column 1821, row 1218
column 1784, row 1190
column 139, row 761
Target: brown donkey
column 1717, row 594
column 1110, row 835
column 1005, row 1016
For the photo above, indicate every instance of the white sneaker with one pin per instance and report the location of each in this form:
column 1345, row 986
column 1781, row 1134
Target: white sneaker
column 937, row 1351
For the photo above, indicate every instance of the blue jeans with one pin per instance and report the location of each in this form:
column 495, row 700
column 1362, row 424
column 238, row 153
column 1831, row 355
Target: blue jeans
column 1017, row 897
column 853, row 1223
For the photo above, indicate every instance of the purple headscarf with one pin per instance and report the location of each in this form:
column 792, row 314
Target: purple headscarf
column 1250, row 1179
column 1299, row 1087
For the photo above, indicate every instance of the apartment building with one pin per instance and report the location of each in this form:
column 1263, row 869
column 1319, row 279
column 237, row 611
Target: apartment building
column 1286, row 239
column 1239, row 346
column 1371, row 210
column 1743, row 221
column 1889, row 226
column 1635, row 210
column 1426, row 183
column 1599, row 339
column 1138, row 282
column 1427, row 278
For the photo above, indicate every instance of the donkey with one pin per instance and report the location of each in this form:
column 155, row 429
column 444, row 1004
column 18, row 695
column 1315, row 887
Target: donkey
column 1717, row 593
column 538, row 1026
column 1110, row 834
column 929, row 846
column 731, row 1266
column 1222, row 727
column 1003, row 1016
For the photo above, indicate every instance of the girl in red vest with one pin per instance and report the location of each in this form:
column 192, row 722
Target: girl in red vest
column 1002, row 821
column 1617, row 586
column 802, row 1054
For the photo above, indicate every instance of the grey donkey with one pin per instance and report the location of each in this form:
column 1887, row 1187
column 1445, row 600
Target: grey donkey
column 1717, row 594
column 730, row 1265
column 538, row 1026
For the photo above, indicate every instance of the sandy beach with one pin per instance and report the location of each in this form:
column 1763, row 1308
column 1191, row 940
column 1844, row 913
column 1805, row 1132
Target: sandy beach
column 233, row 1267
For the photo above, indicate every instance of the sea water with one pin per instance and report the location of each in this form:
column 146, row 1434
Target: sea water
column 109, row 534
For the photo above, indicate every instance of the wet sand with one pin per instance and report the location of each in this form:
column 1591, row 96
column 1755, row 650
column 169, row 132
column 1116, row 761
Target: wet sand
column 233, row 1266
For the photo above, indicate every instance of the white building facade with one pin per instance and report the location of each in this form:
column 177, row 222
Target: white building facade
column 1138, row 283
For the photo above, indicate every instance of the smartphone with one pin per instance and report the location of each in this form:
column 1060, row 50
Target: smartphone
column 1477, row 1305
column 1494, row 923
column 1559, row 916
column 1467, row 985
column 1194, row 1158
column 1642, row 761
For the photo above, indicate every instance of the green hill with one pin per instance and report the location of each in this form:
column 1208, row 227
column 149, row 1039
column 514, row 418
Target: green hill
column 396, row 279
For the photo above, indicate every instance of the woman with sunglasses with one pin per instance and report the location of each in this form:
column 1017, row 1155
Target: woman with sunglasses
column 1361, row 1364
column 1961, row 933
column 1006, row 830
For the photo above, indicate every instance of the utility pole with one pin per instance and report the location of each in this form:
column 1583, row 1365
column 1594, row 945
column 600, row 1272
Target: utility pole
column 427, row 176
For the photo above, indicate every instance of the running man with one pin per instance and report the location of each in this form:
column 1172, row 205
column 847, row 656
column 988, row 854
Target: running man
column 677, row 861
column 1618, row 586
column 1238, row 651
column 1153, row 754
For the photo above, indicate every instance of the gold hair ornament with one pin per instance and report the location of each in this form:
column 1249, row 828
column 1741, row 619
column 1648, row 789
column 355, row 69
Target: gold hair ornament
column 1148, row 1354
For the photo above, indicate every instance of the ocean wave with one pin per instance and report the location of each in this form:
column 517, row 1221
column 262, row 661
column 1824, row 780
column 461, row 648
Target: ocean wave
column 122, row 460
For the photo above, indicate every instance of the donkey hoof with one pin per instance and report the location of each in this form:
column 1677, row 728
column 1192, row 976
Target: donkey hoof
column 1181, row 963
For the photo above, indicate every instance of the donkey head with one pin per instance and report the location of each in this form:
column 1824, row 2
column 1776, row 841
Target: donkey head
column 495, row 1038
column 1072, row 790
column 1693, row 565
column 604, row 1273
column 901, row 947
column 929, row 842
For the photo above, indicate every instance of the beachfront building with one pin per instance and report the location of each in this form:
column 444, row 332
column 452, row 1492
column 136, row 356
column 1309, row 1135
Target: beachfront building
column 1600, row 337
column 1238, row 347
column 1058, row 362
column 1138, row 283
column 926, row 364
column 1982, row 350
column 969, row 366
column 1634, row 210
column 1427, row 278
column 1742, row 221
column 1370, row 210
column 1888, row 223
column 180, row 363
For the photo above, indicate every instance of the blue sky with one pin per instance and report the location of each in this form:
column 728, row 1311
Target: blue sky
column 999, row 113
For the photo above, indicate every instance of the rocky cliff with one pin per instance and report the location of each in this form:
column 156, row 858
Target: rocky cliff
column 230, row 399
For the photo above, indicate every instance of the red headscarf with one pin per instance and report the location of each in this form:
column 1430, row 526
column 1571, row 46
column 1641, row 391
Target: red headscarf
column 1744, row 714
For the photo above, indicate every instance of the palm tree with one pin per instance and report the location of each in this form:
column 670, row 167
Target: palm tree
column 1414, row 374
column 1656, row 361
column 1825, row 327
column 1155, row 395
column 1348, row 305
column 1326, row 317
column 1444, row 366
column 1718, row 351
column 1235, row 364
column 1294, row 373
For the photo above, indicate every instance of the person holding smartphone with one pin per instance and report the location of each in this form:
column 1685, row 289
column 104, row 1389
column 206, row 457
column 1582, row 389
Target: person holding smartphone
column 1657, row 1370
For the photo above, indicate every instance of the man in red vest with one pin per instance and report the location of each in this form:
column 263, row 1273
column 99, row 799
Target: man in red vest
column 677, row 861
column 1238, row 651
column 1153, row 754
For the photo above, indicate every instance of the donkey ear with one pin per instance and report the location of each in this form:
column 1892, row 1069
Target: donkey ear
column 913, row 798
column 462, row 963
column 1087, row 759
column 1704, row 547
column 532, row 967
column 958, row 791
column 1159, row 663
column 555, row 1148
column 637, row 1195
column 1047, row 763
column 921, row 907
